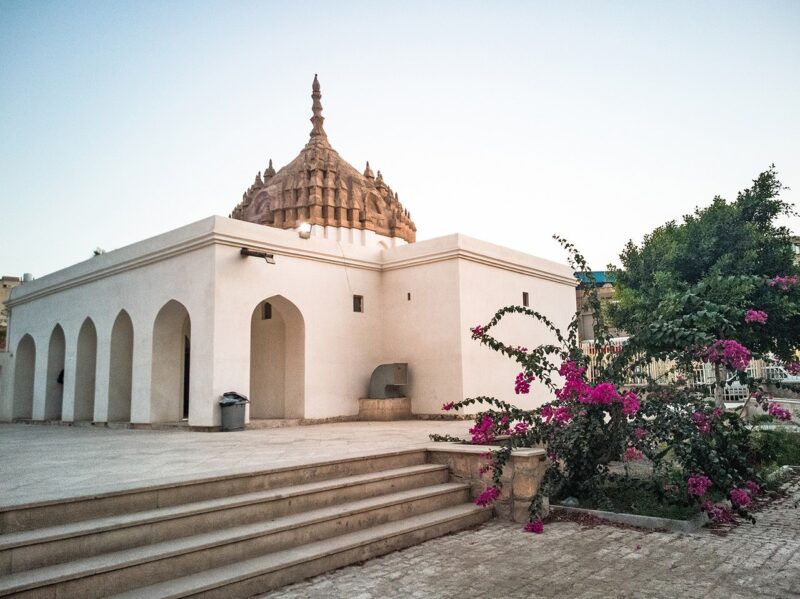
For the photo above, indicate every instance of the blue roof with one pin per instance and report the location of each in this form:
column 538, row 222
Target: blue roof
column 601, row 277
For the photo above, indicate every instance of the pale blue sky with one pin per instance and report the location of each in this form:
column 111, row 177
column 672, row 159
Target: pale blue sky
column 504, row 121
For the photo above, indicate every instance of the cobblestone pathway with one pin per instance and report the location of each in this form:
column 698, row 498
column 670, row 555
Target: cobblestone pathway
column 497, row 560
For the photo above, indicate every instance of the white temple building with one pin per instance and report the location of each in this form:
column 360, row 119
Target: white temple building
column 314, row 281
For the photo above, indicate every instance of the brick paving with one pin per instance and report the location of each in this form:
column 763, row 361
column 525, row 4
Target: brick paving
column 497, row 560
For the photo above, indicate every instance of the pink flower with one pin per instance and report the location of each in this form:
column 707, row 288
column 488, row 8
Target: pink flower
column 740, row 497
column 537, row 526
column 784, row 282
column 547, row 413
column 632, row 455
column 728, row 352
column 482, row 431
column 758, row 316
column 488, row 497
column 522, row 384
column 640, row 433
column 698, row 484
column 779, row 412
column 792, row 368
column 448, row 406
column 562, row 414
column 630, row 403
column 520, row 428
column 603, row 394
column 477, row 332
column 521, row 349
column 717, row 413
column 701, row 422
column 753, row 487
column 718, row 513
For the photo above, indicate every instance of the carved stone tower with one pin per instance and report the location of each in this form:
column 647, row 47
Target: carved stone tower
column 320, row 188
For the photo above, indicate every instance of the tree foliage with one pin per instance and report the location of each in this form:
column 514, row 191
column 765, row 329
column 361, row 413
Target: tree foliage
column 691, row 282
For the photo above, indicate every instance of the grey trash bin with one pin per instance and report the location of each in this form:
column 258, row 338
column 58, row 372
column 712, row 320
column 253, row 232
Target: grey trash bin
column 232, row 405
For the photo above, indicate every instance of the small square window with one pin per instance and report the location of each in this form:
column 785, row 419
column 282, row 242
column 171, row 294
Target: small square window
column 358, row 303
column 267, row 314
column 526, row 300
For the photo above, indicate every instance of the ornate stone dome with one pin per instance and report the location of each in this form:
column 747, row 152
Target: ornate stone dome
column 320, row 188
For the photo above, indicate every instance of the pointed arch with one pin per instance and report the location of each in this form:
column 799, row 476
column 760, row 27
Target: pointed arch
column 121, row 369
column 54, row 392
column 85, row 371
column 170, row 376
column 277, row 360
column 24, row 369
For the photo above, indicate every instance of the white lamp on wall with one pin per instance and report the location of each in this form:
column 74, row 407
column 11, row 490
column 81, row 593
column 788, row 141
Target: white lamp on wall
column 304, row 230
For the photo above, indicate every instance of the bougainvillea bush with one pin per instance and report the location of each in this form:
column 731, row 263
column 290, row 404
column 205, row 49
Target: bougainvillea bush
column 701, row 455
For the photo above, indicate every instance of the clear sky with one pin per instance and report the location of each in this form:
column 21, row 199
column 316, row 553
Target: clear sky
column 504, row 121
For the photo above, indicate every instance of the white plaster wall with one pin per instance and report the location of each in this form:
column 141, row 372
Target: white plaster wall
column 132, row 279
column 6, row 388
column 341, row 347
column 423, row 332
column 484, row 290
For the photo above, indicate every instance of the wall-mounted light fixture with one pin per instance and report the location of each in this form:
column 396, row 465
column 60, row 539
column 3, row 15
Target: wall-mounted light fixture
column 304, row 230
column 246, row 252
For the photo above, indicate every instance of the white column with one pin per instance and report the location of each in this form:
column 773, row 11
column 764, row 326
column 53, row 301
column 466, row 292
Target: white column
column 142, row 370
column 40, row 380
column 102, row 374
column 70, row 368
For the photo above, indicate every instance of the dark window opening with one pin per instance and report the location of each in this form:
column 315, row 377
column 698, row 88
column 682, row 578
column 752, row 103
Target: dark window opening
column 526, row 299
column 358, row 303
column 267, row 315
column 409, row 296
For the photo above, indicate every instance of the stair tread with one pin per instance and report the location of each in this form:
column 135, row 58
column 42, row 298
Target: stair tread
column 84, row 527
column 137, row 555
column 216, row 577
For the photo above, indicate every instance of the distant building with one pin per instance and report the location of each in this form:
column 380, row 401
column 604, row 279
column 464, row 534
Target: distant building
column 604, row 282
column 796, row 248
column 6, row 285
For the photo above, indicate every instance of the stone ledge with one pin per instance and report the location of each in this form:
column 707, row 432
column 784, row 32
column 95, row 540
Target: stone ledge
column 394, row 408
column 650, row 522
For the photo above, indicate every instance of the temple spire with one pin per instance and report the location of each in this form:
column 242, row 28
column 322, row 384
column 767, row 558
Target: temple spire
column 316, row 108
column 368, row 172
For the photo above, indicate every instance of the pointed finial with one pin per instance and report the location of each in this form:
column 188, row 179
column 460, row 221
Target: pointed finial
column 269, row 172
column 368, row 172
column 316, row 109
column 380, row 177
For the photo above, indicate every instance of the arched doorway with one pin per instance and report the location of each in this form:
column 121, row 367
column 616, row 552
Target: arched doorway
column 85, row 372
column 172, row 334
column 121, row 369
column 277, row 360
column 54, row 392
column 24, row 368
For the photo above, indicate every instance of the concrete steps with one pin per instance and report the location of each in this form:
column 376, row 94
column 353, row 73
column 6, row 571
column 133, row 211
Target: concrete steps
column 296, row 523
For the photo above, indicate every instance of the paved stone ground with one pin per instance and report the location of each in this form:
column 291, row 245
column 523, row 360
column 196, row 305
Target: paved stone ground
column 40, row 462
column 499, row 561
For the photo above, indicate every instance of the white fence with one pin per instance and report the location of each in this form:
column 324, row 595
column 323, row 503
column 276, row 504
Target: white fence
column 664, row 371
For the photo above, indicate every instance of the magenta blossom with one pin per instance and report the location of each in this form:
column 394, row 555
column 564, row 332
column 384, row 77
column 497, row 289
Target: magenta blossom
column 698, row 484
column 537, row 527
column 740, row 497
column 522, row 384
column 784, row 282
column 488, row 497
column 630, row 403
column 632, row 455
column 701, row 422
column 758, row 316
column 477, row 332
column 603, row 394
column 448, row 406
column 562, row 414
column 778, row 412
column 792, row 368
column 718, row 513
column 640, row 433
column 728, row 352
column 482, row 431
column 520, row 428
column 753, row 487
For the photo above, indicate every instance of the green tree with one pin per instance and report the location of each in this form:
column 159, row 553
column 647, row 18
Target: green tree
column 690, row 283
